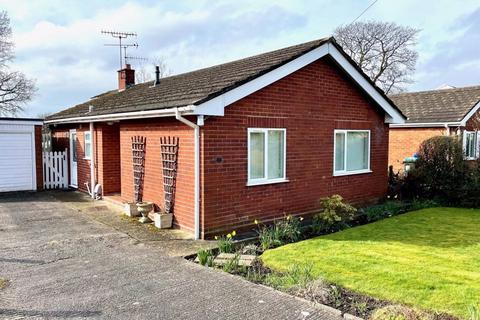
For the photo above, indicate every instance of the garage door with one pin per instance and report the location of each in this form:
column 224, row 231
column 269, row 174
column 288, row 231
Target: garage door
column 16, row 161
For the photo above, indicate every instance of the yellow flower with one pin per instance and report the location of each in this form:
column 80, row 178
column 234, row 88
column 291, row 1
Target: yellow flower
column 229, row 236
column 256, row 221
column 289, row 217
column 301, row 218
column 234, row 233
column 216, row 237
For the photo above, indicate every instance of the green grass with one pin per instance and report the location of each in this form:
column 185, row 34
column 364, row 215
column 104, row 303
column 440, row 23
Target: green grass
column 428, row 259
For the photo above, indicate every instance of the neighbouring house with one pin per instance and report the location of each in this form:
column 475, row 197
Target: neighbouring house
column 259, row 137
column 21, row 154
column 449, row 111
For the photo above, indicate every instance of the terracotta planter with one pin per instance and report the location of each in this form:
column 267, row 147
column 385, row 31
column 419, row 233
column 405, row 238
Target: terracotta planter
column 144, row 208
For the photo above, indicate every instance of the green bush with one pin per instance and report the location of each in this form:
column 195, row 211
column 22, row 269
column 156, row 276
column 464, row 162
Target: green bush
column 280, row 232
column 335, row 215
column 297, row 276
column 225, row 243
column 205, row 257
column 384, row 210
column 440, row 169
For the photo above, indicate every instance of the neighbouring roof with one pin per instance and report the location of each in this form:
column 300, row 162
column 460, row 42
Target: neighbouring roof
column 437, row 106
column 200, row 86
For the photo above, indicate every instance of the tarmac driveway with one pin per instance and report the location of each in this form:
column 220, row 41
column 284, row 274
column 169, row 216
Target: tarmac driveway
column 60, row 264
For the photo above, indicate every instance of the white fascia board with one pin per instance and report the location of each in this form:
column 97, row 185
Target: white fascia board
column 124, row 115
column 393, row 115
column 426, row 125
column 470, row 114
column 216, row 105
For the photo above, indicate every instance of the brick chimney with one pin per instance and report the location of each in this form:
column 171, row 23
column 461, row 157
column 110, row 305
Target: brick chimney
column 126, row 77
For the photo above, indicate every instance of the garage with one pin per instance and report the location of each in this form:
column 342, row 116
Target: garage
column 20, row 154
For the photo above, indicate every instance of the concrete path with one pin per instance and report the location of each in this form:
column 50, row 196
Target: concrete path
column 61, row 264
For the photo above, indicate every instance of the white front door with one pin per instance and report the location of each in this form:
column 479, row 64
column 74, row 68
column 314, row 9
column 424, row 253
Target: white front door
column 73, row 158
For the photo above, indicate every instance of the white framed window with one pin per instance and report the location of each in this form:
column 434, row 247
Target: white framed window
column 351, row 152
column 88, row 144
column 471, row 141
column 266, row 156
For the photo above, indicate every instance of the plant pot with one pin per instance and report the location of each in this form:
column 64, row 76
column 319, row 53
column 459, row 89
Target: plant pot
column 144, row 208
column 130, row 209
column 163, row 220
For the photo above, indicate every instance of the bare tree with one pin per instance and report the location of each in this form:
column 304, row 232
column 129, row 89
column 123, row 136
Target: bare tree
column 383, row 50
column 15, row 88
column 146, row 72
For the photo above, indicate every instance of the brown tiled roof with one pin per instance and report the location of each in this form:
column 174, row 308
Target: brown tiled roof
column 188, row 88
column 445, row 105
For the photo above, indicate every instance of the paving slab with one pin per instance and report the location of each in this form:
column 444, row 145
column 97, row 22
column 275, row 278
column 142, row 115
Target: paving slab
column 63, row 264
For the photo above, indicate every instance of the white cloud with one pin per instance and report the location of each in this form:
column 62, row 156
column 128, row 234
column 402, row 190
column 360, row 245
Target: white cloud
column 60, row 44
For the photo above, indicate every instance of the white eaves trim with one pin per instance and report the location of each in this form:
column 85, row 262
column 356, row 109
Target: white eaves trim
column 426, row 125
column 123, row 116
column 470, row 114
column 216, row 105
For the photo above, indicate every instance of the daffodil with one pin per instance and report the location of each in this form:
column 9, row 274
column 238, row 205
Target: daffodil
column 256, row 221
column 234, row 233
column 301, row 218
column 229, row 236
column 289, row 217
column 216, row 237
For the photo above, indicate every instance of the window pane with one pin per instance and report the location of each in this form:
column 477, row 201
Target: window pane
column 87, row 145
column 339, row 151
column 257, row 155
column 470, row 145
column 275, row 154
column 357, row 148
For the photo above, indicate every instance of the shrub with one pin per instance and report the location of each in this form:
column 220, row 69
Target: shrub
column 335, row 214
column 280, row 232
column 205, row 257
column 231, row 266
column 384, row 210
column 297, row 276
column 440, row 168
column 225, row 243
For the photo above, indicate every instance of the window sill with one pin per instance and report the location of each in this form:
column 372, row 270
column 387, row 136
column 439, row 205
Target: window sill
column 350, row 173
column 263, row 182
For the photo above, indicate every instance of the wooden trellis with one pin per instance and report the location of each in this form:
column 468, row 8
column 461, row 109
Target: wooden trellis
column 138, row 154
column 169, row 150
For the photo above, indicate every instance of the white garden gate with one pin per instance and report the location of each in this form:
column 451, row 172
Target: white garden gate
column 55, row 170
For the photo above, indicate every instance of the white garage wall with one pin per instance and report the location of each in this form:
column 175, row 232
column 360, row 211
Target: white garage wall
column 17, row 156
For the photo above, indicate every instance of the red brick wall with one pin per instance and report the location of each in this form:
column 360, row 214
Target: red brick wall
column 310, row 104
column 153, row 182
column 106, row 140
column 107, row 155
column 38, row 157
column 404, row 142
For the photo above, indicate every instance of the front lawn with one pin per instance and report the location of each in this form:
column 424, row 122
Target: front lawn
column 428, row 259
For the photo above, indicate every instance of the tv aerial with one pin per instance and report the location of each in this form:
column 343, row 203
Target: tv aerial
column 120, row 36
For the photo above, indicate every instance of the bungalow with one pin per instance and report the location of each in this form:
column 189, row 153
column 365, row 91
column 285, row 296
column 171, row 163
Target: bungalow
column 258, row 138
column 449, row 111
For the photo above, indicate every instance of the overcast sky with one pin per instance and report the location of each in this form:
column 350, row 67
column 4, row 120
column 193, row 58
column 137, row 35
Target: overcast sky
column 59, row 42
